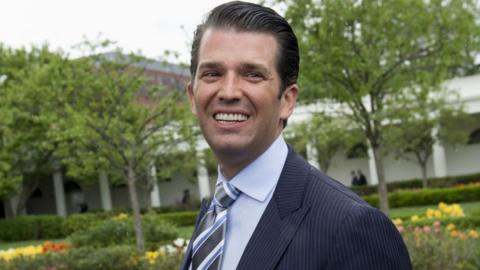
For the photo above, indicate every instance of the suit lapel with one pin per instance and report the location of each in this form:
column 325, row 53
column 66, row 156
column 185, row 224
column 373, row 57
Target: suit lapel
column 281, row 218
column 188, row 254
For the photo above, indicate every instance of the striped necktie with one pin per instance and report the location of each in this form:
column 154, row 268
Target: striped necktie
column 207, row 247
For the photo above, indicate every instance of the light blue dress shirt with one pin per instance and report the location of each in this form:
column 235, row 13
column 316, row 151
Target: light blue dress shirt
column 257, row 182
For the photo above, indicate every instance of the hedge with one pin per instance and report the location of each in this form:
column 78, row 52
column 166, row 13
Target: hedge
column 467, row 193
column 32, row 227
column 36, row 227
column 438, row 182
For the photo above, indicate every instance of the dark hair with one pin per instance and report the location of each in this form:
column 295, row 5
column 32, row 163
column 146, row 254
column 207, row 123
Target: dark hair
column 249, row 17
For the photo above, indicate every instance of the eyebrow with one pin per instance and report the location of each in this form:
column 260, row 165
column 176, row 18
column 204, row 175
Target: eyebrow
column 243, row 67
column 256, row 67
column 210, row 65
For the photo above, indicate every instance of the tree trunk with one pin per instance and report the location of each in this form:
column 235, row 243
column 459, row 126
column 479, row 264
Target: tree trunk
column 382, row 184
column 28, row 187
column 424, row 175
column 137, row 219
column 9, row 213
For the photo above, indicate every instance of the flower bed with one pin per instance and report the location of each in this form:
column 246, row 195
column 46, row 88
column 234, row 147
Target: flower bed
column 435, row 246
column 48, row 256
column 32, row 251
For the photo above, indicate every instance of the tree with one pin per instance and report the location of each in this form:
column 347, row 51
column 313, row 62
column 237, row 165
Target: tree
column 118, row 120
column 28, row 110
column 424, row 122
column 326, row 134
column 363, row 54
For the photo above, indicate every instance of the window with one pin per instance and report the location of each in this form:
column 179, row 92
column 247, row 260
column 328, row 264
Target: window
column 474, row 136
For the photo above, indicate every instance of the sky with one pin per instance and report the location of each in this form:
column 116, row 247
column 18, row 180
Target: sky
column 149, row 26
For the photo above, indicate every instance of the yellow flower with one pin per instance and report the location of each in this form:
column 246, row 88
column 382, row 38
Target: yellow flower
column 121, row 216
column 457, row 210
column 454, row 233
column 430, row 213
column 151, row 256
column 462, row 235
column 438, row 214
column 414, row 218
column 10, row 254
column 450, row 227
column 397, row 221
column 473, row 234
column 442, row 205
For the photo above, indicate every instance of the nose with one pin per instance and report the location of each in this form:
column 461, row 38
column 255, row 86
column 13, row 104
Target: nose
column 230, row 89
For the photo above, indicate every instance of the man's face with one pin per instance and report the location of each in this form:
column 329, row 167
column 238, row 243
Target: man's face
column 235, row 95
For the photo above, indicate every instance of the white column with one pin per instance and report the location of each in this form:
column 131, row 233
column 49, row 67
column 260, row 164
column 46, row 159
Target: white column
column 59, row 193
column 439, row 157
column 202, row 177
column 155, row 193
column 372, row 166
column 105, row 195
column 312, row 155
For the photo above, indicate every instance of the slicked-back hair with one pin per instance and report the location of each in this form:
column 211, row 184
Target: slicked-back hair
column 250, row 17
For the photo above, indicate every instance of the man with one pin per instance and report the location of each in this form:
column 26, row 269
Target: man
column 362, row 180
column 271, row 209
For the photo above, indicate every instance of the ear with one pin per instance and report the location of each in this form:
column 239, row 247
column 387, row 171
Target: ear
column 191, row 98
column 288, row 101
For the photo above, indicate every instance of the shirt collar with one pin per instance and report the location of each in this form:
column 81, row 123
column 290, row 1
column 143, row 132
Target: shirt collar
column 260, row 177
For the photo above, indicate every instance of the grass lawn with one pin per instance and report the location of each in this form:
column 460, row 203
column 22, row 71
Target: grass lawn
column 470, row 209
column 7, row 245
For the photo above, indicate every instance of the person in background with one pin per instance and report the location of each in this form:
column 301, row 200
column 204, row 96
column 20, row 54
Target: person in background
column 355, row 181
column 362, row 180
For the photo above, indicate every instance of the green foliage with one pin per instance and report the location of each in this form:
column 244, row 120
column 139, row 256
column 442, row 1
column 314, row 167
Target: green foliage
column 422, row 122
column 467, row 222
column 326, row 134
column 83, row 222
column 467, row 193
column 368, row 55
column 436, row 182
column 28, row 114
column 122, row 257
column 117, row 231
column 438, row 250
column 180, row 218
column 31, row 228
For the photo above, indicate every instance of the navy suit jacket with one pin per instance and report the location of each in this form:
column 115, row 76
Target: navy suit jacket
column 314, row 222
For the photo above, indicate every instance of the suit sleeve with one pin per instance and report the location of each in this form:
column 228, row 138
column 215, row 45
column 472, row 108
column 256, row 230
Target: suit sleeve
column 367, row 239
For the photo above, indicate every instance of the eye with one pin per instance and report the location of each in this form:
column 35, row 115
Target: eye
column 254, row 76
column 210, row 75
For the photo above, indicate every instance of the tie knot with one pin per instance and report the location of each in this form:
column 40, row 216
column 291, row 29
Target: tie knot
column 225, row 194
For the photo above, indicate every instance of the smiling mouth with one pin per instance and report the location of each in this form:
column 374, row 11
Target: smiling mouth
column 230, row 117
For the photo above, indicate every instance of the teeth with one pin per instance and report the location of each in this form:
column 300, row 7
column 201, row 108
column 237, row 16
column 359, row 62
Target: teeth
column 232, row 117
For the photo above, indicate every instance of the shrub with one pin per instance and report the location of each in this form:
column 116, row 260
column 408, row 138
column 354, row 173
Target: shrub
column 82, row 222
column 180, row 218
column 438, row 182
column 32, row 228
column 429, row 196
column 119, row 231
